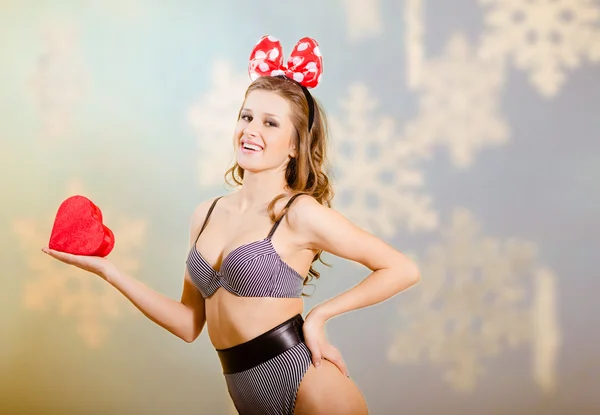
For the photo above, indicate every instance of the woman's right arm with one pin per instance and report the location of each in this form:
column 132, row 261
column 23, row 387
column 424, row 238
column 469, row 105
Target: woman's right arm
column 185, row 318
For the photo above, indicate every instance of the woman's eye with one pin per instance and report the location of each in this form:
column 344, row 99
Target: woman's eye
column 246, row 118
column 271, row 124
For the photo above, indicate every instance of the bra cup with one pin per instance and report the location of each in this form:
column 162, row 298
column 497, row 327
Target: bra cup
column 251, row 274
column 201, row 274
column 275, row 277
column 240, row 274
column 255, row 270
column 240, row 267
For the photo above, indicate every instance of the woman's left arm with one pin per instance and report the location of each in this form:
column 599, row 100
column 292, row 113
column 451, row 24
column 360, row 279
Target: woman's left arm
column 325, row 229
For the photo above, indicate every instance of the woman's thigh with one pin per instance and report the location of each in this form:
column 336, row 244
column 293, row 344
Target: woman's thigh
column 327, row 391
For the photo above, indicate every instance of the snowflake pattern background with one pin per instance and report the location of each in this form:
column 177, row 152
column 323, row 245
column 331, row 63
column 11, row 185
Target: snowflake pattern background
column 377, row 180
column 459, row 104
column 364, row 19
column 213, row 118
column 545, row 38
column 181, row 76
column 475, row 303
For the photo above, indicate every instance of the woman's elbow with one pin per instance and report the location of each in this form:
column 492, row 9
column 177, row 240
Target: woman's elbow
column 191, row 334
column 190, row 337
column 410, row 272
column 415, row 273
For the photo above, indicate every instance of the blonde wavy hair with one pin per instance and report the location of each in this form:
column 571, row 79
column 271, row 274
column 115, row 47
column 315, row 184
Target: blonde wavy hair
column 307, row 172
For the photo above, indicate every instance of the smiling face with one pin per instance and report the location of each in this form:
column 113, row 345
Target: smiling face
column 264, row 135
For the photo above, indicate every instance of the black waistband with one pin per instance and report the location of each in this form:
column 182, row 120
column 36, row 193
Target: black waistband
column 262, row 348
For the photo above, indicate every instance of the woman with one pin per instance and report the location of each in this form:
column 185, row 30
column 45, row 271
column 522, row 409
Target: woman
column 251, row 250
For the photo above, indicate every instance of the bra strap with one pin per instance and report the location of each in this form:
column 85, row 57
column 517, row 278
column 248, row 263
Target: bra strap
column 285, row 209
column 208, row 216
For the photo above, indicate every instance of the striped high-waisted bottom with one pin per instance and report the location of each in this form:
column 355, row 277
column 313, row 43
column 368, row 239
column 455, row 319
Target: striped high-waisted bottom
column 263, row 374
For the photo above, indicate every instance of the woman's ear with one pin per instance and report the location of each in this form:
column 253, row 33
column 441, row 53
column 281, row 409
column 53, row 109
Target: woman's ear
column 294, row 148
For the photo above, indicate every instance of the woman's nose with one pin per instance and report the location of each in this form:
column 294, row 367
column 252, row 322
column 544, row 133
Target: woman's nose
column 252, row 130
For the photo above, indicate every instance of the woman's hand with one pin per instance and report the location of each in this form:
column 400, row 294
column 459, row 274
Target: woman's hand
column 94, row 264
column 319, row 346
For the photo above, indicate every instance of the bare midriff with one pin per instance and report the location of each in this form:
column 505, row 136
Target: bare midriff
column 233, row 320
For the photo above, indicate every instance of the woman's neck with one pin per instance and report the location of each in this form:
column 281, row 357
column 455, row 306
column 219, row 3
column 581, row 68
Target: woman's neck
column 259, row 189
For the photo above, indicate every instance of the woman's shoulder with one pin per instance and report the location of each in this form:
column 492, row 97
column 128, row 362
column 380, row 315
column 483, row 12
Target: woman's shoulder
column 201, row 211
column 304, row 209
column 304, row 200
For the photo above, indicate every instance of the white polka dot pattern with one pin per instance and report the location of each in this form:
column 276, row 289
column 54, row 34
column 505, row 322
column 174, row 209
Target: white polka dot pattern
column 305, row 64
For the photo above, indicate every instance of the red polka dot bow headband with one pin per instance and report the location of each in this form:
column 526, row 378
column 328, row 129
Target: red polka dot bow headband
column 305, row 64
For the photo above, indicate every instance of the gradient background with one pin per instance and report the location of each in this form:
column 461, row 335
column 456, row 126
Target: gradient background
column 465, row 133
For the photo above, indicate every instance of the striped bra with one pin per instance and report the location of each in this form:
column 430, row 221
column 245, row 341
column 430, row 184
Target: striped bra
column 254, row 269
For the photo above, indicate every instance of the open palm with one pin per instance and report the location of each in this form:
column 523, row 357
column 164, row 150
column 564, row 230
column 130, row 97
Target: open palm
column 94, row 264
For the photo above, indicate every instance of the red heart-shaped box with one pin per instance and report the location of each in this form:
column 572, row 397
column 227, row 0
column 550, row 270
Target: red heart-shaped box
column 78, row 229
